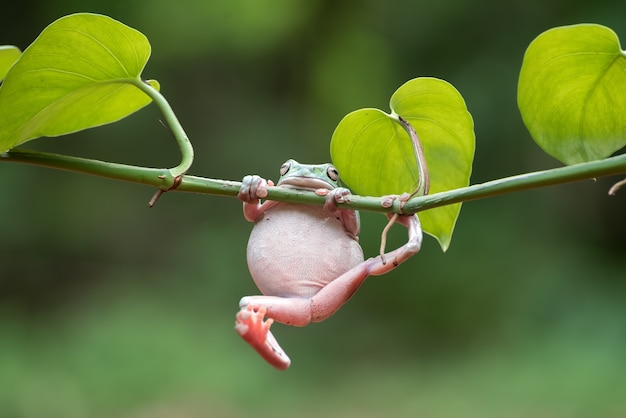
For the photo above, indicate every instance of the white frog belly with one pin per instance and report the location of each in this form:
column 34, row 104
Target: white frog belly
column 295, row 250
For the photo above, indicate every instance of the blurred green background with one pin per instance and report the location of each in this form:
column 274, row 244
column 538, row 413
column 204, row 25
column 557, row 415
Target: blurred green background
column 111, row 309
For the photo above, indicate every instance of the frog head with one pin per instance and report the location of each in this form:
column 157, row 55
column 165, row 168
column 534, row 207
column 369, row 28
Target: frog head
column 305, row 176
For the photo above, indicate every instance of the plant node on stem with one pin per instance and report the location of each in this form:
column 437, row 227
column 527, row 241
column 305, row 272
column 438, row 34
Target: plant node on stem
column 177, row 181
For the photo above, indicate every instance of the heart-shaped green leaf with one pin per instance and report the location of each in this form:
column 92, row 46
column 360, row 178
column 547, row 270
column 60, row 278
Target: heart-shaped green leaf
column 572, row 92
column 8, row 55
column 79, row 73
column 373, row 152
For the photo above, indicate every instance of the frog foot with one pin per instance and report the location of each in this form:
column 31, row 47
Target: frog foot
column 253, row 188
column 388, row 200
column 256, row 332
column 338, row 195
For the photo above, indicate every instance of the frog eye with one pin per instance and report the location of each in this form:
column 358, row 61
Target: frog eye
column 332, row 173
column 285, row 168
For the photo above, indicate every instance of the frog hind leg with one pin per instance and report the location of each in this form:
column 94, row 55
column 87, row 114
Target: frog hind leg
column 256, row 332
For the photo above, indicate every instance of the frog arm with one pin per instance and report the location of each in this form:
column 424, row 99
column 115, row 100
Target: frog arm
column 349, row 218
column 302, row 311
column 351, row 222
column 253, row 211
column 253, row 188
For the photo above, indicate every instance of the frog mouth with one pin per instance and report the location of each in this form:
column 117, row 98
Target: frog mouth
column 309, row 183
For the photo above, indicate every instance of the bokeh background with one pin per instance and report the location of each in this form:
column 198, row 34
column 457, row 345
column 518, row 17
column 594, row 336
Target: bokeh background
column 111, row 309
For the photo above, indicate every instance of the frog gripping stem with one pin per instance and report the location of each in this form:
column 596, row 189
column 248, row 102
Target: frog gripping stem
column 300, row 280
column 256, row 332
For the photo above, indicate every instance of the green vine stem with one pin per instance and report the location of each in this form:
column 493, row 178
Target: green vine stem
column 157, row 177
column 161, row 177
column 584, row 171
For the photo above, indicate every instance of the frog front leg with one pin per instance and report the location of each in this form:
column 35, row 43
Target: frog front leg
column 253, row 188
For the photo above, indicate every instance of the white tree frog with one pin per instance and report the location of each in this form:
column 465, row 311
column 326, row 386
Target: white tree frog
column 306, row 260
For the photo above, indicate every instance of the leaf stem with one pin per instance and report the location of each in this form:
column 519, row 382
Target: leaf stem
column 186, row 149
column 160, row 178
column 423, row 185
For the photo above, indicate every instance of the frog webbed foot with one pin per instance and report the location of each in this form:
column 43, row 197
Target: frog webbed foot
column 252, row 327
column 337, row 195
